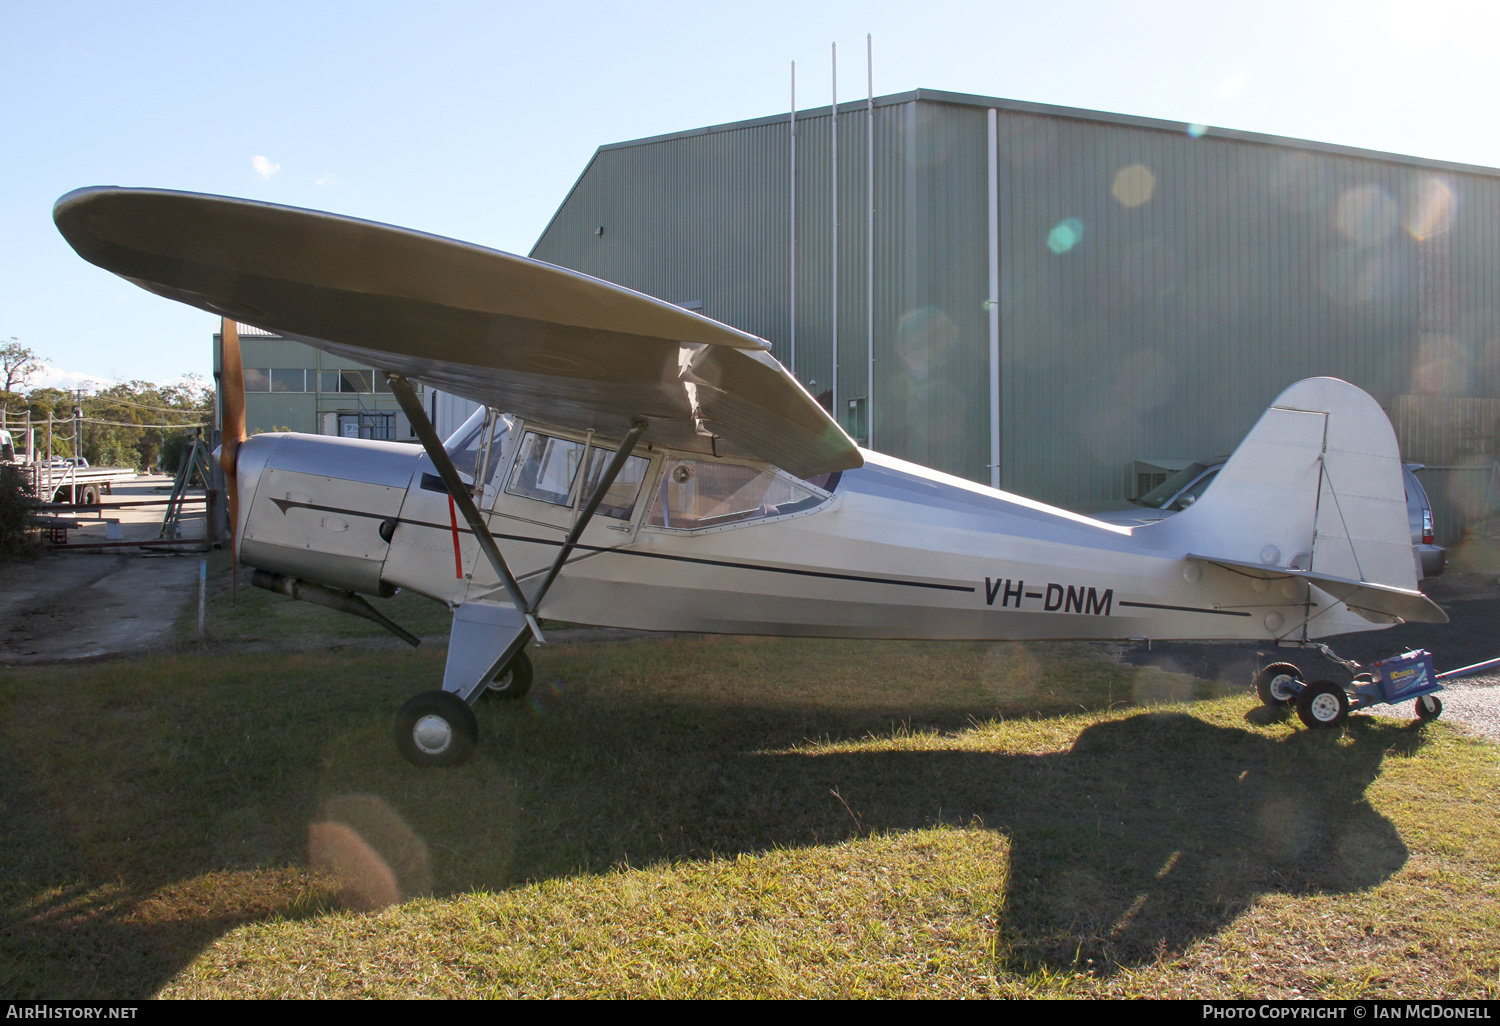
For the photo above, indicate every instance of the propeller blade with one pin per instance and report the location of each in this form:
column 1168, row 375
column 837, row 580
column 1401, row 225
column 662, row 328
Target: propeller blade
column 232, row 390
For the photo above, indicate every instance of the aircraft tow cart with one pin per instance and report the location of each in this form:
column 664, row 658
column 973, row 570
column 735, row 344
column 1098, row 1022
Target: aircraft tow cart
column 1325, row 704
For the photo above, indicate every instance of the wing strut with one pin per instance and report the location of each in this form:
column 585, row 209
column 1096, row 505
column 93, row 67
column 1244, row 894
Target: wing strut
column 427, row 434
column 608, row 479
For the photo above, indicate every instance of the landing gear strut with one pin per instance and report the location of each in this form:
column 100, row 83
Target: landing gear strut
column 486, row 648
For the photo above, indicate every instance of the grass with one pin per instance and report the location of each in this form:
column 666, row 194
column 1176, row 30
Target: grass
column 717, row 816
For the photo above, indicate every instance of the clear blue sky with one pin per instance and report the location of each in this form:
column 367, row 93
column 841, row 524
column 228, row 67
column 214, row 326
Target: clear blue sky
column 474, row 119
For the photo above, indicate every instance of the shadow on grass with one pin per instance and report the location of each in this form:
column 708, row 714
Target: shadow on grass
column 143, row 824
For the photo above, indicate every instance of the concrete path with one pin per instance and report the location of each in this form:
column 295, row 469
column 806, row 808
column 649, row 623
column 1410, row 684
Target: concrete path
column 80, row 605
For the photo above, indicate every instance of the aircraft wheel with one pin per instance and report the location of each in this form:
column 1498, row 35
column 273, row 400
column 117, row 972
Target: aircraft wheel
column 512, row 683
column 1323, row 704
column 1271, row 684
column 1429, row 707
column 436, row 728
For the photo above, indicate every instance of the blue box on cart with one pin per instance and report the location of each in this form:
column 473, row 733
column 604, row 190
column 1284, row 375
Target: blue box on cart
column 1406, row 675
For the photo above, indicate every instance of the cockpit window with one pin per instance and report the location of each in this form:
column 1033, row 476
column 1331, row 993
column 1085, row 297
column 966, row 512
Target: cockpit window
column 546, row 469
column 695, row 495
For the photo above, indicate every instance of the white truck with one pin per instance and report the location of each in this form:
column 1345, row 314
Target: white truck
column 70, row 481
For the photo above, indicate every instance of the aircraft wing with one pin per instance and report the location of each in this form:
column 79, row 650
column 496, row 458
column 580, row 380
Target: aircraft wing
column 1377, row 602
column 527, row 337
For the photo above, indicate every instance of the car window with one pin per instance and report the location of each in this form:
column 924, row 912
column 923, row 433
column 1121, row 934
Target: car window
column 1195, row 491
column 1158, row 497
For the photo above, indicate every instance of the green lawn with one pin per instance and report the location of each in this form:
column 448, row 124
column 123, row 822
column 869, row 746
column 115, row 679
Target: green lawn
column 718, row 816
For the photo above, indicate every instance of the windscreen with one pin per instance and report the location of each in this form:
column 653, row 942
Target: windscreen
column 465, row 445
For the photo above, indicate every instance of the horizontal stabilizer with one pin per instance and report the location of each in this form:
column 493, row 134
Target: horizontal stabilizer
column 1375, row 602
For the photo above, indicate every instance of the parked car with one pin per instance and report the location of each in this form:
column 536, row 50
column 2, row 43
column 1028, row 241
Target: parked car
column 1182, row 489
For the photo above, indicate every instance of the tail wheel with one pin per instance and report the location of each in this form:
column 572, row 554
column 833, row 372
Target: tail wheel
column 1323, row 705
column 1271, row 684
column 1429, row 707
column 436, row 728
column 514, row 681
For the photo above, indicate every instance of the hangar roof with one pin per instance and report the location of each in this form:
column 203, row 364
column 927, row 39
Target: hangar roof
column 1073, row 114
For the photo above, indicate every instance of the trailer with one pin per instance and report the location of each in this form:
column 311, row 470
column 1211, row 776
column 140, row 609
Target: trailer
column 1408, row 677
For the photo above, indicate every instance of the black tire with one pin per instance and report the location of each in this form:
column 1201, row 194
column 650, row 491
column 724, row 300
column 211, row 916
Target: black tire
column 512, row 683
column 436, row 728
column 1323, row 705
column 1424, row 712
column 1268, row 685
column 90, row 495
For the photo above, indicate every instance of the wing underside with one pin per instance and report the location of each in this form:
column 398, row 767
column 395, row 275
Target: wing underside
column 530, row 338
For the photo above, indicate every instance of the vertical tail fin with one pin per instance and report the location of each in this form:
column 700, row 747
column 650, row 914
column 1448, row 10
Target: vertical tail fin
column 1315, row 491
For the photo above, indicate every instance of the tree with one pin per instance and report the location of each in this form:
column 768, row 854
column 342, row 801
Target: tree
column 17, row 364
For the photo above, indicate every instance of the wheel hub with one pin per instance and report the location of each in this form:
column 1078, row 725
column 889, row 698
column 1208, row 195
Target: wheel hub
column 432, row 734
column 1280, row 690
column 1325, row 708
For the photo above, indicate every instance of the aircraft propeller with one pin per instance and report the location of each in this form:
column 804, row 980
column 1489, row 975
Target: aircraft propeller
column 232, row 390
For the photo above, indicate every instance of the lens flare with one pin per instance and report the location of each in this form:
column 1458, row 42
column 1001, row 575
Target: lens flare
column 1197, row 131
column 1366, row 215
column 1430, row 212
column 1133, row 185
column 1065, row 235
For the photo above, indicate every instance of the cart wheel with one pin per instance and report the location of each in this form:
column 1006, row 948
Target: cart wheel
column 1323, row 705
column 1271, row 684
column 1429, row 707
column 436, row 728
column 514, row 681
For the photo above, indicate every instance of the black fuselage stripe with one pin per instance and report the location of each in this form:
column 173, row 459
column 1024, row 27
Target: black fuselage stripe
column 448, row 529
column 1185, row 609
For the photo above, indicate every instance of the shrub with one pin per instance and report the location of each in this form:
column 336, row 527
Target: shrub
column 17, row 540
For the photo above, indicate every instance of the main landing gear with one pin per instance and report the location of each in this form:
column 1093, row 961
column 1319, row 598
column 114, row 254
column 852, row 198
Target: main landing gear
column 437, row 728
column 487, row 645
column 511, row 683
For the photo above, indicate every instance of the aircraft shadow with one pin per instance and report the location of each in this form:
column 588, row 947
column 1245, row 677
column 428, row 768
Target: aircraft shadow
column 1149, row 833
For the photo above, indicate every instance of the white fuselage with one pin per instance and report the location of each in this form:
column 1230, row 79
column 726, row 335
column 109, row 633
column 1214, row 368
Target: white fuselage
column 895, row 551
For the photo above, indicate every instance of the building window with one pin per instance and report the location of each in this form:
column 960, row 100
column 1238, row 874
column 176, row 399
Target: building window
column 257, row 379
column 284, row 379
column 354, row 381
column 328, row 381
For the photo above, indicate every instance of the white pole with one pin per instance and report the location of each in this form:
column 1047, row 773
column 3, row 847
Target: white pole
column 793, row 282
column 834, row 129
column 994, row 298
column 870, row 249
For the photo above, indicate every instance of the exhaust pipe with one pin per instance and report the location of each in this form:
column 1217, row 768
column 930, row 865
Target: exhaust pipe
column 322, row 595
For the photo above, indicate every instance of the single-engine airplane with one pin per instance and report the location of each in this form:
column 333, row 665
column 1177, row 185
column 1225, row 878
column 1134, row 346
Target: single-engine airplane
column 635, row 464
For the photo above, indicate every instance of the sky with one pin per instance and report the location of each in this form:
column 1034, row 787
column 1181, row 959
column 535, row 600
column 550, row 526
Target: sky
column 473, row 120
